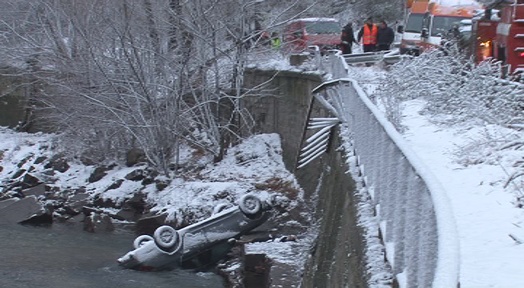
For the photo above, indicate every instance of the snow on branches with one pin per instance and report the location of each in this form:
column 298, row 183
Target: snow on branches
column 458, row 91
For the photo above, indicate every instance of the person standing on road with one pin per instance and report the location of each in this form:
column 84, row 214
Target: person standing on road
column 368, row 35
column 385, row 36
column 348, row 38
column 276, row 42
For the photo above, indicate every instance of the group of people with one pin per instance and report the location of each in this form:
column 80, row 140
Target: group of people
column 373, row 37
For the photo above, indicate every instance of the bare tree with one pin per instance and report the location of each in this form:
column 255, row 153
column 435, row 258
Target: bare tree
column 115, row 75
column 454, row 85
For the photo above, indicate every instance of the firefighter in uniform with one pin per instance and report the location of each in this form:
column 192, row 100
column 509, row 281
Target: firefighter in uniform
column 368, row 35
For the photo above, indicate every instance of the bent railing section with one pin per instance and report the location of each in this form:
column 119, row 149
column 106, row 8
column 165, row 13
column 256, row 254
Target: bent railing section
column 416, row 221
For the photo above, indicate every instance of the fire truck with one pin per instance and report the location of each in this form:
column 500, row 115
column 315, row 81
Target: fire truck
column 428, row 22
column 499, row 35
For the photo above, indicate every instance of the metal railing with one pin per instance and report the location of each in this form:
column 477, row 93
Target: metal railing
column 416, row 221
column 364, row 58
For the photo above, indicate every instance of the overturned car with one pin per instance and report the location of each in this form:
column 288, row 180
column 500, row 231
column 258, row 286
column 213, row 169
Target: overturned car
column 170, row 248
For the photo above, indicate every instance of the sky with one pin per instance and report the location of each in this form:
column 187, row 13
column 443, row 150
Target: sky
column 487, row 220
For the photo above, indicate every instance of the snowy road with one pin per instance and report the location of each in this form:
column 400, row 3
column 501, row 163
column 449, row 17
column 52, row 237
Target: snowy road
column 483, row 210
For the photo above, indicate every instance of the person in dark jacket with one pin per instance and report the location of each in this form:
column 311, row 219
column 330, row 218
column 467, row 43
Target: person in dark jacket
column 348, row 38
column 385, row 36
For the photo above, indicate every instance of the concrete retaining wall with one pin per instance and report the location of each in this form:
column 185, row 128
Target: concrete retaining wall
column 336, row 260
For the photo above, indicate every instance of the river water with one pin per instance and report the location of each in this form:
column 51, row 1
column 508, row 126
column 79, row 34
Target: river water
column 67, row 257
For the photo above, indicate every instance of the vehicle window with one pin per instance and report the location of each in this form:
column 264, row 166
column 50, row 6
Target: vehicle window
column 442, row 25
column 293, row 29
column 296, row 28
column 415, row 22
column 323, row 28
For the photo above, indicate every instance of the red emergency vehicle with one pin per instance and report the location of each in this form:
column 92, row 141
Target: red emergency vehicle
column 427, row 23
column 499, row 35
column 299, row 34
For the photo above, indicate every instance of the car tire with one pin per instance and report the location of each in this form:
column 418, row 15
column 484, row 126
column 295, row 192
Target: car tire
column 166, row 237
column 141, row 240
column 250, row 205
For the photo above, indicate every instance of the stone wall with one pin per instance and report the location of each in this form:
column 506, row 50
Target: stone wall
column 12, row 101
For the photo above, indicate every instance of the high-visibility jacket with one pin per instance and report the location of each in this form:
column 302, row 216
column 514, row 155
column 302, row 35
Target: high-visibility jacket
column 276, row 43
column 370, row 35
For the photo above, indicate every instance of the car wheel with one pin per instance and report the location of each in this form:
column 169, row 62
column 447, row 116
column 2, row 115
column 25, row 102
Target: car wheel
column 250, row 205
column 166, row 237
column 141, row 240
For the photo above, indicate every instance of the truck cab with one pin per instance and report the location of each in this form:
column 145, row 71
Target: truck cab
column 499, row 35
column 427, row 24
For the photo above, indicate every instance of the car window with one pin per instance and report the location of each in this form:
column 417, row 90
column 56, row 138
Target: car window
column 414, row 24
column 329, row 27
column 442, row 25
column 293, row 29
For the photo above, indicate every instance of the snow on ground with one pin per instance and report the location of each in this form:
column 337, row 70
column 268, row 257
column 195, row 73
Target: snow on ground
column 474, row 178
column 293, row 253
column 254, row 166
column 485, row 214
column 465, row 159
column 457, row 2
column 256, row 161
column 273, row 60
